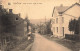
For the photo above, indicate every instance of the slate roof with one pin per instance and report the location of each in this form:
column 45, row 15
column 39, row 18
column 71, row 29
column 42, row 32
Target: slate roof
column 72, row 6
column 61, row 9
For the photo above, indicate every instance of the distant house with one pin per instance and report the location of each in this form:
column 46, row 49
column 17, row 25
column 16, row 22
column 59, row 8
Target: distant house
column 15, row 24
column 61, row 16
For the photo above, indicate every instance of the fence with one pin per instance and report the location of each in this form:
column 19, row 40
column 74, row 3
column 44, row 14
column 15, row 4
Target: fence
column 73, row 37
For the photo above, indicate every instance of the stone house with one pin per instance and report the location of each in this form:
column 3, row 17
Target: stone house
column 11, row 25
column 61, row 17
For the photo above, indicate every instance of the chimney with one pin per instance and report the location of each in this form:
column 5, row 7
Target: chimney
column 61, row 5
column 19, row 14
column 10, row 11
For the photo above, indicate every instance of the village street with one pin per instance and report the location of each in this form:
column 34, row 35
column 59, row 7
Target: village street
column 42, row 44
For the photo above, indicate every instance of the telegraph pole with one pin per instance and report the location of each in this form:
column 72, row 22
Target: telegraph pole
column 45, row 19
column 45, row 25
column 79, row 25
column 0, row 2
column 79, row 1
column 40, row 27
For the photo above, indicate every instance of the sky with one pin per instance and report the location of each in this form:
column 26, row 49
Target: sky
column 35, row 9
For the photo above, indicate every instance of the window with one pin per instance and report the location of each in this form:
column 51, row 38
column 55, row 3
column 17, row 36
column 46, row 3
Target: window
column 10, row 10
column 56, row 20
column 62, row 19
column 25, row 28
column 57, row 29
column 16, row 18
column 53, row 29
column 9, row 3
column 53, row 21
column 25, row 22
column 63, row 30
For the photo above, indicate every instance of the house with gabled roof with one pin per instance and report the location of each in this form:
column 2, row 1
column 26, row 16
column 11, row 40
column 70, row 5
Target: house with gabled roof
column 61, row 17
column 12, row 27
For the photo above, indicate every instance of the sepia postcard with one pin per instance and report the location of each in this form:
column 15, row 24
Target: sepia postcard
column 39, row 25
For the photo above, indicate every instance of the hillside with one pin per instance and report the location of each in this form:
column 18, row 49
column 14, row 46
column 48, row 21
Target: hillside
column 37, row 21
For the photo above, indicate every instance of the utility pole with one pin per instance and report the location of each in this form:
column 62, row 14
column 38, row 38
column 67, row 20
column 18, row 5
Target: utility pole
column 40, row 27
column 79, row 1
column 45, row 25
column 79, row 25
column 0, row 2
column 45, row 19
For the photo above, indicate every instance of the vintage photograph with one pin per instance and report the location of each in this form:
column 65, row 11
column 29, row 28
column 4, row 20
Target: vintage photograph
column 39, row 25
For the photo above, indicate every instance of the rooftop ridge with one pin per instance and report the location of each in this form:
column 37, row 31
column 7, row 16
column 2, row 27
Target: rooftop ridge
column 72, row 6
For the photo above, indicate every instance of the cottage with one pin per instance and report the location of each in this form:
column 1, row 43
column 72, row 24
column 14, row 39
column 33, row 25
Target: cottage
column 14, row 24
column 11, row 25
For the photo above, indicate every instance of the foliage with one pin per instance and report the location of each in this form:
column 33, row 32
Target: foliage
column 45, row 28
column 74, row 26
column 33, row 28
column 41, row 28
column 28, row 23
column 48, row 27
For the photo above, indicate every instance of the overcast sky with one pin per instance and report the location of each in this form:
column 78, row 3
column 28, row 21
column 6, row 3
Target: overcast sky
column 40, row 10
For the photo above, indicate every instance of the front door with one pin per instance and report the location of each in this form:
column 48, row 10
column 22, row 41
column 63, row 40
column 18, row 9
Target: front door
column 63, row 30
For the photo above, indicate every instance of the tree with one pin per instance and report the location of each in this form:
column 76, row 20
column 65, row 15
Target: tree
column 78, row 25
column 41, row 28
column 71, row 26
column 48, row 27
column 28, row 24
column 3, row 25
column 74, row 26
column 45, row 28
column 33, row 28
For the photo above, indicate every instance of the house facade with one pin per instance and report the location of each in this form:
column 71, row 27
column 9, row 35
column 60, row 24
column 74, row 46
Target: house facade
column 61, row 17
column 11, row 25
column 15, row 24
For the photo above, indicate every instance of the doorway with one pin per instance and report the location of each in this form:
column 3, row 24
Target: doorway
column 63, row 30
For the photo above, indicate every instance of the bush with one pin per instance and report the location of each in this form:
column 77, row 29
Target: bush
column 74, row 26
column 72, row 37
